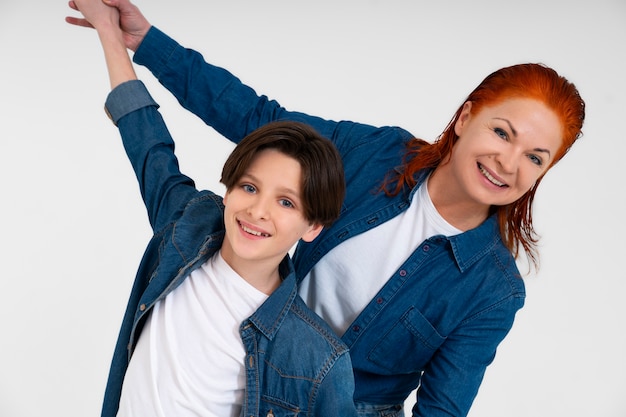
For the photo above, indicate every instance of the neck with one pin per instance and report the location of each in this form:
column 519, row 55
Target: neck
column 452, row 204
column 262, row 276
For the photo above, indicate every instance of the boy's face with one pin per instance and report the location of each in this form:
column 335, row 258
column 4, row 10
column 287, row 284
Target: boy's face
column 264, row 216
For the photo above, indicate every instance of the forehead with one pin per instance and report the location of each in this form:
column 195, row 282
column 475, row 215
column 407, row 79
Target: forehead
column 529, row 118
column 274, row 156
column 272, row 165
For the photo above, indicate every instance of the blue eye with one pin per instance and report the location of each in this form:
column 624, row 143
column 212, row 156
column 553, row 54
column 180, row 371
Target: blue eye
column 535, row 160
column 286, row 203
column 501, row 133
column 248, row 188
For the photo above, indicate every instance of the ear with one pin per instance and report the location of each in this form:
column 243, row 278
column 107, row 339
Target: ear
column 464, row 117
column 314, row 230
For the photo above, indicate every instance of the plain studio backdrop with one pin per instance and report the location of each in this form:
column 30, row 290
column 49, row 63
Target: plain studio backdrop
column 74, row 227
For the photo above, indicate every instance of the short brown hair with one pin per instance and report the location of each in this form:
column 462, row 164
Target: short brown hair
column 323, row 184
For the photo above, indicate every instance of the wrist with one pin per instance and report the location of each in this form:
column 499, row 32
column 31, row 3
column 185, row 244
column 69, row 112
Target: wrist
column 136, row 38
column 118, row 62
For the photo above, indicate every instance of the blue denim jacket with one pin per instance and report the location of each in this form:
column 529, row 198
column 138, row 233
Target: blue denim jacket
column 438, row 320
column 295, row 365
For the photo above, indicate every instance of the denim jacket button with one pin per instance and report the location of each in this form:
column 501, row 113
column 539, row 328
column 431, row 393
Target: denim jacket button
column 142, row 307
column 356, row 328
column 270, row 414
column 426, row 248
column 403, row 273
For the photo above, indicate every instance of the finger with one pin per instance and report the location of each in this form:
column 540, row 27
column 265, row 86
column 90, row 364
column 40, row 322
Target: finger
column 72, row 5
column 78, row 22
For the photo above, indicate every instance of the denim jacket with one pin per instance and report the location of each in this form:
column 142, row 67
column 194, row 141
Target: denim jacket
column 438, row 320
column 294, row 363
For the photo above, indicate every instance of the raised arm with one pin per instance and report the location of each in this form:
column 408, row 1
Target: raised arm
column 146, row 138
column 212, row 93
column 105, row 20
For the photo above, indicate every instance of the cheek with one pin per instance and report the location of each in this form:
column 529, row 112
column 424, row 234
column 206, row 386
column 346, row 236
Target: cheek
column 231, row 205
column 459, row 159
column 289, row 224
column 529, row 178
column 227, row 214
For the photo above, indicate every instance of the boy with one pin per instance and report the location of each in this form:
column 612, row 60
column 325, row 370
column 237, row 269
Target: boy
column 214, row 325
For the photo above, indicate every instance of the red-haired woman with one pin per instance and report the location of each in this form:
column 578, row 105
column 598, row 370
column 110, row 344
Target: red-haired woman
column 418, row 275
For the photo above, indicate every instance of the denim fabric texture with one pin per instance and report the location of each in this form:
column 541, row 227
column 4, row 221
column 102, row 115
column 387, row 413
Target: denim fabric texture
column 295, row 365
column 438, row 320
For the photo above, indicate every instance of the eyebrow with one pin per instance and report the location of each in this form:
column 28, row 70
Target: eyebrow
column 509, row 123
column 515, row 134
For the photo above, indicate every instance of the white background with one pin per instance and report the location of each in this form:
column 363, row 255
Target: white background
column 74, row 228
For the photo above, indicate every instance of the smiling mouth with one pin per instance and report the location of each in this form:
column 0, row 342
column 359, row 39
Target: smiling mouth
column 490, row 177
column 253, row 232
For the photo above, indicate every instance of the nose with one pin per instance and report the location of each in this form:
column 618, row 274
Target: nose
column 259, row 208
column 508, row 160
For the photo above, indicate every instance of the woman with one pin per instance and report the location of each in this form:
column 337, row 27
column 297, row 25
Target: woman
column 418, row 274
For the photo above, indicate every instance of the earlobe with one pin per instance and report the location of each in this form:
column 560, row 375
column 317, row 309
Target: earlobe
column 463, row 118
column 313, row 232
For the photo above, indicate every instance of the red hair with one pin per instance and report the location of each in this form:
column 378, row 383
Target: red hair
column 534, row 81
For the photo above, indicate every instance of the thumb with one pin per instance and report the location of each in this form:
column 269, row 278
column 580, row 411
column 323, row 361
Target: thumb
column 122, row 5
column 112, row 3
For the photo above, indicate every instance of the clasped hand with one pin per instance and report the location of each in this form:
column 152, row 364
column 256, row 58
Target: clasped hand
column 120, row 13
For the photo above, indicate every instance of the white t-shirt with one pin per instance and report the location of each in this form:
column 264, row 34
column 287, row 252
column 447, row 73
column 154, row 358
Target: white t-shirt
column 189, row 360
column 346, row 279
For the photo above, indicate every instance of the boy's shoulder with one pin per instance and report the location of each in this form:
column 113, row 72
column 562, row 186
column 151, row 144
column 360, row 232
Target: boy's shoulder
column 204, row 205
column 202, row 216
column 303, row 343
column 312, row 325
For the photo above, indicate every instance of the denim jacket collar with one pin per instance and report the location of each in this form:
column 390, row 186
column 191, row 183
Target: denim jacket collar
column 268, row 318
column 470, row 246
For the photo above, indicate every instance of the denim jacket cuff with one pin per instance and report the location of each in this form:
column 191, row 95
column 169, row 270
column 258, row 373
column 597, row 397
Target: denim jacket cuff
column 126, row 98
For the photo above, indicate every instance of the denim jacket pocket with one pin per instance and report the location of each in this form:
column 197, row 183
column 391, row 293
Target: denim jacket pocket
column 407, row 346
column 378, row 410
column 272, row 407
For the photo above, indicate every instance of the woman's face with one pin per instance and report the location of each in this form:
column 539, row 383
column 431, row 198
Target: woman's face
column 502, row 150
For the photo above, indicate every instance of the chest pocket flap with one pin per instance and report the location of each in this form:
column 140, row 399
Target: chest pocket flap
column 407, row 346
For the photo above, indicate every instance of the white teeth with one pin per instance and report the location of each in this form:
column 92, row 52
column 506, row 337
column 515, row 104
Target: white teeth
column 490, row 177
column 253, row 232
